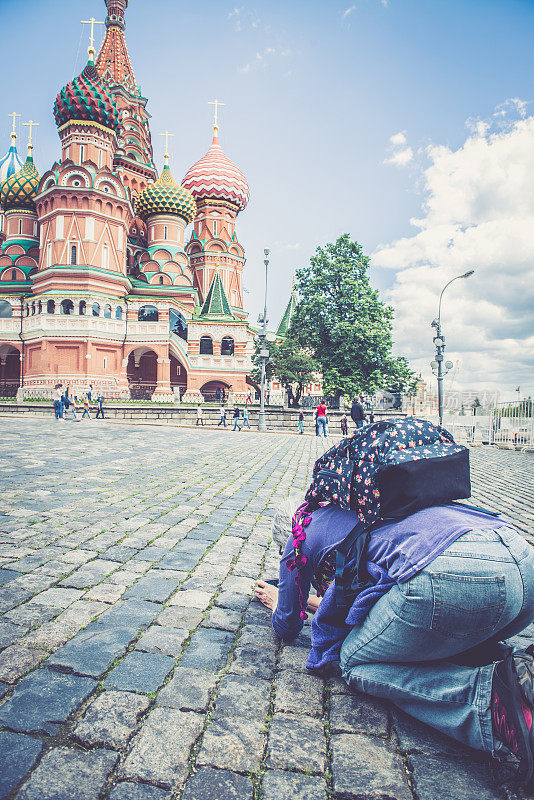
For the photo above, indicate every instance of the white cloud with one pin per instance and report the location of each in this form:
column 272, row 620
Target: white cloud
column 265, row 58
column 348, row 12
column 400, row 152
column 478, row 213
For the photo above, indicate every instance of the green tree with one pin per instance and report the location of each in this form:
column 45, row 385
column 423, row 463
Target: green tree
column 346, row 327
column 290, row 363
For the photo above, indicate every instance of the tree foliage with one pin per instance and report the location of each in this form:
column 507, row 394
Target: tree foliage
column 290, row 363
column 346, row 327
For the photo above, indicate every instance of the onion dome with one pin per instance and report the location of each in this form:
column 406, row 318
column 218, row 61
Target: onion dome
column 215, row 177
column 9, row 164
column 85, row 98
column 165, row 196
column 20, row 189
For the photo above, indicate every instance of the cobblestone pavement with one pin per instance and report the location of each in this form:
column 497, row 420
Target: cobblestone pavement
column 135, row 665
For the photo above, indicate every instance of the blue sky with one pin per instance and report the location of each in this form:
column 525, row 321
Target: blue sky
column 314, row 91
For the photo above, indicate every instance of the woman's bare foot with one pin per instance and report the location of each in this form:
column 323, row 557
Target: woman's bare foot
column 313, row 603
column 267, row 594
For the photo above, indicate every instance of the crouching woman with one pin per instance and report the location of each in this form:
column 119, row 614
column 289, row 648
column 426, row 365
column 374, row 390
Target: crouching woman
column 448, row 583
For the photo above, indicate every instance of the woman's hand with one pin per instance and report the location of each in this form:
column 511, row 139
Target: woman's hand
column 266, row 594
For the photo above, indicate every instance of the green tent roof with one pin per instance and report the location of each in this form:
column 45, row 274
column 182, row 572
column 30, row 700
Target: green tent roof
column 288, row 316
column 216, row 304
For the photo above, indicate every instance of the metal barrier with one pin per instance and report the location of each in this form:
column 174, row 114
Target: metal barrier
column 512, row 425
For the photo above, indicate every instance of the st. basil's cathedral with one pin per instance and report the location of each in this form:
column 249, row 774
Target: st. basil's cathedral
column 98, row 284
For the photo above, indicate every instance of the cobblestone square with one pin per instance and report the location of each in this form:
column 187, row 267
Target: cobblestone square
column 134, row 664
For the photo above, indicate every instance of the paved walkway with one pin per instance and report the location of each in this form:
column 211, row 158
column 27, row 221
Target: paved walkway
column 134, row 664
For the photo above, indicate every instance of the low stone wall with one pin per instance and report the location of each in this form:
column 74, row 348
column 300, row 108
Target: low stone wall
column 277, row 418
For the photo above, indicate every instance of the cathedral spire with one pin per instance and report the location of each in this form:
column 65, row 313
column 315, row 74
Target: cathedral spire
column 113, row 62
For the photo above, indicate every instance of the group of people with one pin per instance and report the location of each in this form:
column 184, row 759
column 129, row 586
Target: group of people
column 236, row 416
column 65, row 403
column 357, row 414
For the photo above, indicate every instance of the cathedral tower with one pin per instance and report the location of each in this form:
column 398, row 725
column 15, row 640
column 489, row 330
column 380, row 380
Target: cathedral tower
column 221, row 191
column 133, row 158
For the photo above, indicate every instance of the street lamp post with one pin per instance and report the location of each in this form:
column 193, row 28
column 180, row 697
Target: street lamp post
column 264, row 352
column 439, row 342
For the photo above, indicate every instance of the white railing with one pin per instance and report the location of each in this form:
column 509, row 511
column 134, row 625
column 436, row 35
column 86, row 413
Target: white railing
column 512, row 425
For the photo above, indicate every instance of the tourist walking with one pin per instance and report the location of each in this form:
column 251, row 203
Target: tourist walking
column 100, row 404
column 357, row 413
column 56, row 397
column 300, row 423
column 245, row 418
column 86, row 407
column 344, row 425
column 236, row 418
column 444, row 587
column 222, row 419
column 217, row 394
column 90, row 392
column 321, row 419
column 200, row 418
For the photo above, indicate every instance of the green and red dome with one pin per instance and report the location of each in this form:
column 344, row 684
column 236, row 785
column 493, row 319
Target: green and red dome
column 85, row 98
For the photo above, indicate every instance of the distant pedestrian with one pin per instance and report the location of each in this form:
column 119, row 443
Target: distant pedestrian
column 321, row 419
column 245, row 418
column 371, row 418
column 344, row 425
column 223, row 395
column 200, row 418
column 90, row 392
column 222, row 419
column 100, row 409
column 236, row 418
column 357, row 413
column 300, row 423
column 248, row 401
column 217, row 394
column 56, row 397
column 86, row 407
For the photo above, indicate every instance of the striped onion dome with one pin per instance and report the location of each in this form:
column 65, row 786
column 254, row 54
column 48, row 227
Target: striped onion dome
column 9, row 164
column 215, row 177
column 20, row 189
column 165, row 196
column 86, row 98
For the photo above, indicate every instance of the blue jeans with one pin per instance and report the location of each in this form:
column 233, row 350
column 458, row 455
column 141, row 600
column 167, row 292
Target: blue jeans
column 236, row 424
column 301, row 426
column 57, row 408
column 321, row 424
column 481, row 588
column 86, row 411
column 246, row 422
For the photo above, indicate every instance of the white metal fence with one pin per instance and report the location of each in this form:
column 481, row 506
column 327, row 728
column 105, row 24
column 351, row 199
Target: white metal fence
column 512, row 425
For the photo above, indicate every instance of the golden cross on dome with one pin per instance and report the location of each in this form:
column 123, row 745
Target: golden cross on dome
column 31, row 123
column 13, row 132
column 166, row 154
column 92, row 22
column 216, row 103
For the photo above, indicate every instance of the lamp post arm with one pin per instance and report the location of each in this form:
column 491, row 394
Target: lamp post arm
column 441, row 295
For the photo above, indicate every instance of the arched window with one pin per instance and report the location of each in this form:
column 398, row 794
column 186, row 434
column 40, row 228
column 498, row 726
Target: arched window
column 96, row 310
column 73, row 254
column 160, row 280
column 50, row 307
column 82, row 308
column 67, row 307
column 227, row 346
column 5, row 309
column 107, row 311
column 105, row 256
column 148, row 314
column 177, row 324
column 13, row 274
column 165, row 231
column 118, row 313
column 20, row 226
column 33, row 309
column 39, row 307
column 206, row 346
